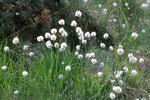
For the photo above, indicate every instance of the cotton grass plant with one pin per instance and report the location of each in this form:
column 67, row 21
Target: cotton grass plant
column 51, row 70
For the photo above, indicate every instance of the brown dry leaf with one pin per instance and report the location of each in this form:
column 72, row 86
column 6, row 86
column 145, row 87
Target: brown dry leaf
column 43, row 16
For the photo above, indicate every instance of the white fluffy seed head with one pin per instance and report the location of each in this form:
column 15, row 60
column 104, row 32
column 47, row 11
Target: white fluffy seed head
column 40, row 38
column 114, row 4
column 126, row 4
column 143, row 31
column 53, row 37
column 68, row 68
column 62, row 49
column 78, row 29
column 15, row 40
column 136, row 99
column 85, row 1
column 133, row 72
column 63, row 45
column 114, row 20
column 47, row 35
column 6, row 49
column 145, row 5
column 134, row 35
column 111, row 48
column 133, row 60
column 99, row 74
column 125, row 69
column 61, row 22
column 16, row 92
column 31, row 54
column 53, row 30
column 78, row 47
column 112, row 95
column 120, row 82
column 120, row 51
column 78, row 14
column 93, row 34
column 80, row 56
column 120, row 46
column 61, row 76
column 81, row 37
column 25, row 47
column 117, row 89
column 100, row 5
column 130, row 55
column 102, row 45
column 87, row 55
column 25, row 73
column 102, row 64
column 84, row 42
column 112, row 81
column 117, row 76
column 93, row 61
column 143, row 98
column 124, row 25
column 64, row 34
column 74, row 23
column 62, row 62
column 81, row 34
column 61, row 30
column 87, row 35
column 92, row 55
column 4, row 68
column 48, row 44
column 76, row 53
column 56, row 45
column 17, row 13
column 141, row 60
column 104, row 11
column 110, row 20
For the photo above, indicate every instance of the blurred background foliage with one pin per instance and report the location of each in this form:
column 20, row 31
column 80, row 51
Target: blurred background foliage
column 31, row 18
